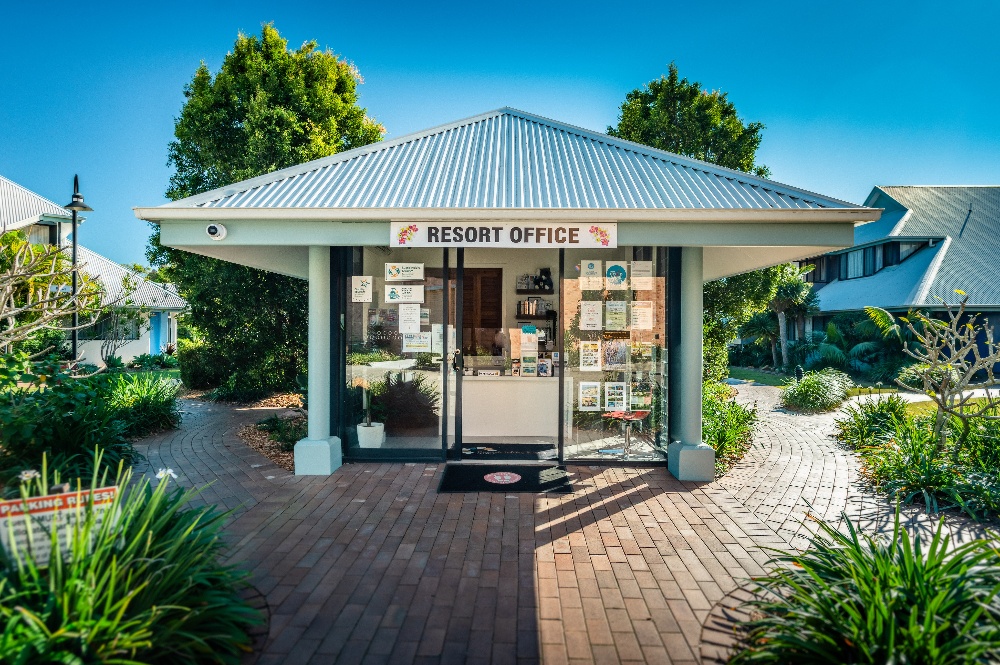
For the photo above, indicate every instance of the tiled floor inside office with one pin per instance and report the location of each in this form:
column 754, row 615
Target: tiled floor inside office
column 372, row 565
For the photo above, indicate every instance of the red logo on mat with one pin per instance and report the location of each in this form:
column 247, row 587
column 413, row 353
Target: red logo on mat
column 502, row 477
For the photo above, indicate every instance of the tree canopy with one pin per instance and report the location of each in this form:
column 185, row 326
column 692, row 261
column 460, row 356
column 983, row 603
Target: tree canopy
column 268, row 107
column 677, row 115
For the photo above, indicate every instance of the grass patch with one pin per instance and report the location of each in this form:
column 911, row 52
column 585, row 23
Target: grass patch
column 758, row 376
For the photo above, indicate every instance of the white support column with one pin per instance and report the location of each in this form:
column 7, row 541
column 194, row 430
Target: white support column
column 690, row 458
column 318, row 454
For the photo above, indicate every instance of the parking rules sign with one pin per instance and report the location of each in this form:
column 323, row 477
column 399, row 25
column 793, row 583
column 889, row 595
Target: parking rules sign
column 39, row 514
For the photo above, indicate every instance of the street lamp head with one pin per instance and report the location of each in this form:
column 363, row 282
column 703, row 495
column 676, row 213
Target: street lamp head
column 77, row 204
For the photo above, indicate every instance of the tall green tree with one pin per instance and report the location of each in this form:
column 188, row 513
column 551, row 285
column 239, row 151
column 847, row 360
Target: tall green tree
column 674, row 114
column 267, row 108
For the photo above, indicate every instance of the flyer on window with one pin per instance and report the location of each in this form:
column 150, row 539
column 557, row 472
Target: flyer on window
column 642, row 275
column 616, row 276
column 590, row 396
column 614, row 317
column 400, row 272
column 404, row 293
column 409, row 318
column 591, row 276
column 616, row 354
column 590, row 315
column 361, row 288
column 418, row 342
column 642, row 315
column 590, row 356
column 614, row 396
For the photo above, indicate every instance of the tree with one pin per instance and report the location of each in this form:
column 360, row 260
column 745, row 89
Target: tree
column 674, row 114
column 763, row 326
column 267, row 108
column 791, row 296
column 35, row 290
column 679, row 116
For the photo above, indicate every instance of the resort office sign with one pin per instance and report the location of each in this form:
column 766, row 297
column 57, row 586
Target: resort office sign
column 503, row 234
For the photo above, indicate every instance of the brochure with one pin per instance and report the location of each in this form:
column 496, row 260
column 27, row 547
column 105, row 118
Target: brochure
column 590, row 356
column 590, row 315
column 590, row 396
column 614, row 318
column 614, row 396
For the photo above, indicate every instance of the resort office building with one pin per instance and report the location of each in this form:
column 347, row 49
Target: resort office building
column 507, row 283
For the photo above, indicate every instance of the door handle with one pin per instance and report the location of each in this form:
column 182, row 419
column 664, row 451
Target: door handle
column 456, row 361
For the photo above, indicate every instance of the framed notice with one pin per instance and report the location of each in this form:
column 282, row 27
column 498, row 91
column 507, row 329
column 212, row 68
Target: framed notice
column 418, row 342
column 642, row 315
column 529, row 364
column 409, row 317
column 591, row 276
column 614, row 316
column 404, row 293
column 616, row 354
column 590, row 315
column 590, row 356
column 616, row 276
column 361, row 288
column 614, row 396
column 401, row 272
column 590, row 396
column 642, row 275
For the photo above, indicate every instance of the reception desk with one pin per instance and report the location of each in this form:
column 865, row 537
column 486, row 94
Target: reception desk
column 509, row 406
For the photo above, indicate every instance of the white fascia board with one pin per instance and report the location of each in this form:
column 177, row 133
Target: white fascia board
column 274, row 233
column 728, row 261
column 290, row 261
column 854, row 215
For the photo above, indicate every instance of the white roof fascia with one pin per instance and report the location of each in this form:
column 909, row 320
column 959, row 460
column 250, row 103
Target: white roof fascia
column 727, row 215
column 898, row 228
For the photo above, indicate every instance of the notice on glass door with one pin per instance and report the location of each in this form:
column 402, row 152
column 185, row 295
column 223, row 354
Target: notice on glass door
column 590, row 315
column 614, row 396
column 590, row 396
column 404, row 293
column 361, row 288
column 615, row 318
column 591, row 276
column 642, row 315
column 642, row 275
column 418, row 342
column 409, row 318
column 590, row 356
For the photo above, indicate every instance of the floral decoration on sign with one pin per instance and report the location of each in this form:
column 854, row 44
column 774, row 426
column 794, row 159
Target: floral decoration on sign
column 601, row 235
column 406, row 233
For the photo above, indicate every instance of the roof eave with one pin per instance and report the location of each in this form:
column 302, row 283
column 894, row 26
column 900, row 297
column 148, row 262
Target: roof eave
column 728, row 215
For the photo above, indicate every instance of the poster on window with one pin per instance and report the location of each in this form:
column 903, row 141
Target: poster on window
column 614, row 315
column 642, row 275
column 616, row 353
column 361, row 288
column 591, row 276
column 425, row 316
column 614, row 396
column 642, row 315
column 590, row 315
column 400, row 272
column 590, row 356
column 409, row 318
column 529, row 364
column 404, row 293
column 418, row 342
column 616, row 276
column 590, row 396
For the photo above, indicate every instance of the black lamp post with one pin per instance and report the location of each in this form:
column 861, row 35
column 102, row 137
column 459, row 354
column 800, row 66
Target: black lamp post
column 76, row 205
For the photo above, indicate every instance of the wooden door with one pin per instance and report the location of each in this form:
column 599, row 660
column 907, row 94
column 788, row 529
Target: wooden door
column 482, row 309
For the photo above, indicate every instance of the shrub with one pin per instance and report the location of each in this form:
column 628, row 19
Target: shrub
column 286, row 431
column 727, row 426
column 143, row 403
column 168, row 361
column 369, row 356
column 817, row 391
column 146, row 362
column 144, row 588
column 114, row 364
column 201, row 365
column 854, row 598
column 869, row 421
column 912, row 376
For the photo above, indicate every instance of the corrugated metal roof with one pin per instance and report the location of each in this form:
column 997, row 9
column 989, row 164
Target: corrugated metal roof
column 114, row 278
column 967, row 219
column 20, row 207
column 509, row 159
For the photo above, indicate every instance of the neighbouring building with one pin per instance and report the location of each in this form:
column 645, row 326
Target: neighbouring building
column 507, row 285
column 44, row 222
column 929, row 242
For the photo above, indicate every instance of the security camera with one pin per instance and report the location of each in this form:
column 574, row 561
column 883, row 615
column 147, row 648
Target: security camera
column 216, row 231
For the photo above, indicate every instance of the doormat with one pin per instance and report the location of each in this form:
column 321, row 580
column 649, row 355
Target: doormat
column 514, row 451
column 507, row 478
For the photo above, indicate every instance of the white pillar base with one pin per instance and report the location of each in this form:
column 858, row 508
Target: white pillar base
column 318, row 457
column 686, row 461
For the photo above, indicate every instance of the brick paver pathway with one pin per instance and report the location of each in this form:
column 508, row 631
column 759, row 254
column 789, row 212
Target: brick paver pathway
column 372, row 565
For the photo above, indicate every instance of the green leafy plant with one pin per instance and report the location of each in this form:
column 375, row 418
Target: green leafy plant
column 146, row 587
column 869, row 421
column 114, row 364
column 855, row 598
column 146, row 362
column 201, row 365
column 369, row 356
column 817, row 391
column 286, row 431
column 726, row 426
column 144, row 403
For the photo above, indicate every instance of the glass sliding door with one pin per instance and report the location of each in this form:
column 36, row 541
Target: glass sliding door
column 396, row 328
column 614, row 315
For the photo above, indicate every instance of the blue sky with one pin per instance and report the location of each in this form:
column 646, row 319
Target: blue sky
column 853, row 94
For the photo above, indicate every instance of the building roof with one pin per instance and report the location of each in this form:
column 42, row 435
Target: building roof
column 509, row 159
column 114, row 277
column 965, row 220
column 21, row 207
